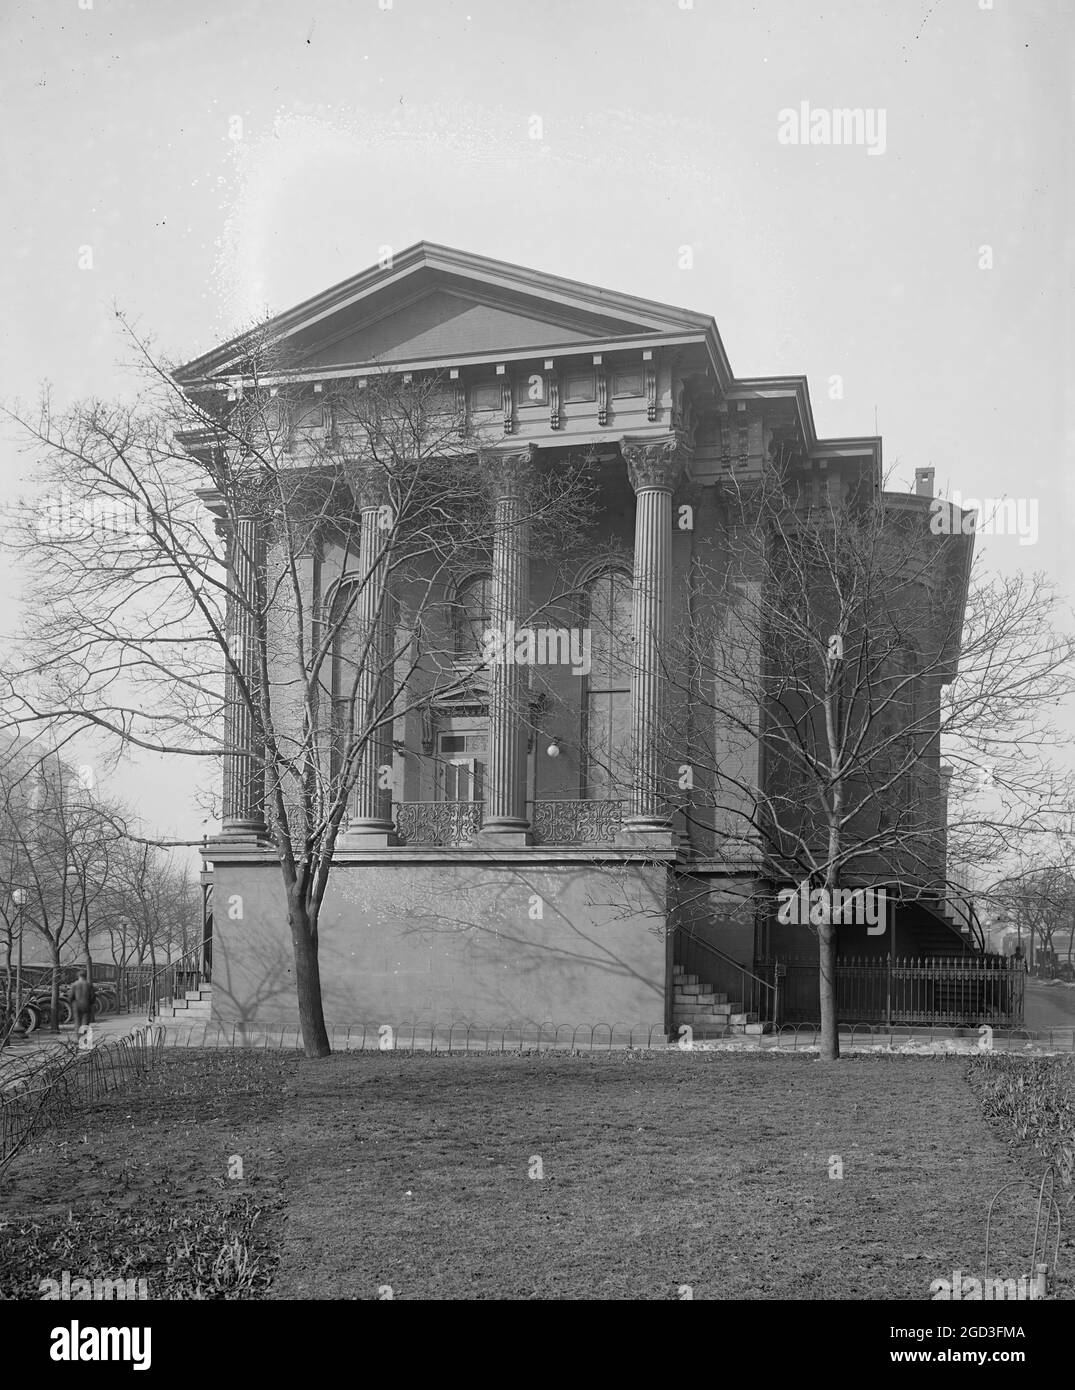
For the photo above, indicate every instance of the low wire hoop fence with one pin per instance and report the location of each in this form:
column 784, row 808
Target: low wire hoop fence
column 45, row 1090
column 427, row 1036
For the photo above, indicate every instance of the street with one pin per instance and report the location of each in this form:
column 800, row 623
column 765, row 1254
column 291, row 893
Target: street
column 1048, row 1005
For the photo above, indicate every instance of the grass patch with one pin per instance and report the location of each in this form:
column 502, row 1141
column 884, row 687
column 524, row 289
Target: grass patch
column 137, row 1186
column 209, row 1250
column 1034, row 1099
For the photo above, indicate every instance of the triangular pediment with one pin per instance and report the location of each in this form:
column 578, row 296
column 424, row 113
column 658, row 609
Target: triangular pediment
column 448, row 324
column 433, row 304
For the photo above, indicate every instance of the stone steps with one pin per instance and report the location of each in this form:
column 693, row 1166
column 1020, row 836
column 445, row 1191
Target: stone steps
column 196, row 1006
column 708, row 1013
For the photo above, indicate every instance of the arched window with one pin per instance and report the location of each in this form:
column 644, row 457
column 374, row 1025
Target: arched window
column 472, row 614
column 606, row 714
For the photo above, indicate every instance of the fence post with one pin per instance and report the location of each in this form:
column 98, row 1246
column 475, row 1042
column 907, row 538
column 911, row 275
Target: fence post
column 778, row 974
column 888, row 993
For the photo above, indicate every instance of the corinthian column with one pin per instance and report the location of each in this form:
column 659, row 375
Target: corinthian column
column 505, row 819
column 654, row 470
column 244, row 771
column 370, row 811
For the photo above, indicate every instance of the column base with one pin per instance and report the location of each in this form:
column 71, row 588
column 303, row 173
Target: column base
column 373, row 834
column 242, row 832
column 648, row 832
column 505, row 834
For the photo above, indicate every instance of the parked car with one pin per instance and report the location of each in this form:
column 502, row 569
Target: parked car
column 41, row 1002
column 29, row 1019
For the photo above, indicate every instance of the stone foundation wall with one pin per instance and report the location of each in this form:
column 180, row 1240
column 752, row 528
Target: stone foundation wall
column 518, row 942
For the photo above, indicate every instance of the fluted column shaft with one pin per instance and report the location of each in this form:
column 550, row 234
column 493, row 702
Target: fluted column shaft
column 654, row 471
column 371, row 804
column 505, row 800
column 244, row 774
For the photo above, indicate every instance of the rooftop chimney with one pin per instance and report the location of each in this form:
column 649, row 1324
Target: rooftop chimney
column 923, row 482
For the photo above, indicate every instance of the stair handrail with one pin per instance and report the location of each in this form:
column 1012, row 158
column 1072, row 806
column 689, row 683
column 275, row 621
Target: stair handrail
column 156, row 995
column 962, row 907
column 974, row 921
column 743, row 971
column 716, row 951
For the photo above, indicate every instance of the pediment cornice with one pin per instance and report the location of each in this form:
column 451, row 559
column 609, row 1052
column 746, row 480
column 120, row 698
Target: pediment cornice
column 564, row 313
column 435, row 308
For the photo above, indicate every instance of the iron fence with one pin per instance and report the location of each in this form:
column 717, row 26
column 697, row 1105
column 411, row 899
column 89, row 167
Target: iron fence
column 119, row 988
column 187, row 972
column 44, row 1090
column 967, row 990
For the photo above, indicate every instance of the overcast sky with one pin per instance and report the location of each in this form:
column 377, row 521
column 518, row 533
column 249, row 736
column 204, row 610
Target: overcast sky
column 223, row 159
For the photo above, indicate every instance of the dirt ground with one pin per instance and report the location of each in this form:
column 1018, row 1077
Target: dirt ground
column 629, row 1175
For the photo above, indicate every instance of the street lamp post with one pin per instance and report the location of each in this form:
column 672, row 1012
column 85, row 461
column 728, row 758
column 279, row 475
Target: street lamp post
column 84, row 909
column 124, row 990
column 18, row 897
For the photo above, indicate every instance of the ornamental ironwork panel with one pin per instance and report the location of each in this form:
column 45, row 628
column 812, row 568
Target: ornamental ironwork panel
column 437, row 822
column 575, row 822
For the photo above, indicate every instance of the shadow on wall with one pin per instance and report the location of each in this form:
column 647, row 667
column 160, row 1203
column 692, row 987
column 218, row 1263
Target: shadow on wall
column 253, row 974
column 486, row 944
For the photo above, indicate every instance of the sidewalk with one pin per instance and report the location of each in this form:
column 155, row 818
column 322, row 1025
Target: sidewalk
column 25, row 1051
column 1049, row 1004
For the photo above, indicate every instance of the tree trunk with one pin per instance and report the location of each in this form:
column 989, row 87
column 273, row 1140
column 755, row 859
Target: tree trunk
column 307, row 978
column 829, row 1043
column 54, row 1027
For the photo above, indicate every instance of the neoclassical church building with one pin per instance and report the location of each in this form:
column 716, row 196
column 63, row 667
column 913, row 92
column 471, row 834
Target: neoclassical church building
column 522, row 864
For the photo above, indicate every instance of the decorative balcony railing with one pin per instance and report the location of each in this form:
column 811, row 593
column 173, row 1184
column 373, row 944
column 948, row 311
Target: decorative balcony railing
column 552, row 822
column 575, row 822
column 437, row 822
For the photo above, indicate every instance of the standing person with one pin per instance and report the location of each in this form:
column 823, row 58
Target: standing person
column 82, row 997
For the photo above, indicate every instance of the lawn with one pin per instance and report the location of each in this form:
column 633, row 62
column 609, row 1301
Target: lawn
column 627, row 1175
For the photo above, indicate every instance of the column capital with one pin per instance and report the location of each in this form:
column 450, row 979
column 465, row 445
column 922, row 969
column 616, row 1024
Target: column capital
column 369, row 485
column 251, row 498
column 309, row 541
column 655, row 463
column 510, row 469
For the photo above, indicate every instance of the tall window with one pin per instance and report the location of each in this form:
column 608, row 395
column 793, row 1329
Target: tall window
column 461, row 757
column 472, row 614
column 907, row 673
column 345, row 666
column 899, row 697
column 606, row 715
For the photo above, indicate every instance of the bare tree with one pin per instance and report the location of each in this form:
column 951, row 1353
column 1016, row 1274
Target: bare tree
column 177, row 607
column 57, row 842
column 151, row 909
column 858, row 701
column 1039, row 901
column 17, row 793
